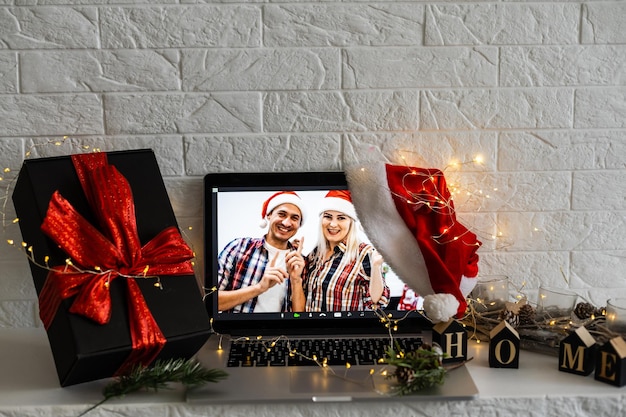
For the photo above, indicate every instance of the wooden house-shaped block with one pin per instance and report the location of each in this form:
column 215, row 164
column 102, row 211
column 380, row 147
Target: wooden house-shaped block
column 577, row 352
column 611, row 362
column 504, row 346
column 452, row 337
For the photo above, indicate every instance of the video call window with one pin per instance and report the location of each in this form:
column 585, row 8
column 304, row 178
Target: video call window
column 239, row 215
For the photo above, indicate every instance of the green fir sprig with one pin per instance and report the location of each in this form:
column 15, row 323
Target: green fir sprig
column 416, row 370
column 188, row 372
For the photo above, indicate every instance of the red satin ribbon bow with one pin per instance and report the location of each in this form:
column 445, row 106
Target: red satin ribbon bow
column 100, row 255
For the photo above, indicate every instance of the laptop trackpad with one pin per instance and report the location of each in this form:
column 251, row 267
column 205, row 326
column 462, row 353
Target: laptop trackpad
column 320, row 381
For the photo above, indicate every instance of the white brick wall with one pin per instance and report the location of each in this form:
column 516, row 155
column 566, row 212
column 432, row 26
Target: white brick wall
column 537, row 88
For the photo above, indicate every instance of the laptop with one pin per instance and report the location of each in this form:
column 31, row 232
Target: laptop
column 286, row 356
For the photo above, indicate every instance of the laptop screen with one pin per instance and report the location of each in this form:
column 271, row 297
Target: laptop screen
column 234, row 232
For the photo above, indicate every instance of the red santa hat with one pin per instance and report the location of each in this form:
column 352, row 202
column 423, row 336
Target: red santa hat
column 275, row 200
column 338, row 200
column 409, row 216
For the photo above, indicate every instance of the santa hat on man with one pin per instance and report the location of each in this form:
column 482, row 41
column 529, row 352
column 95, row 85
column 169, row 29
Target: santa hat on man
column 339, row 200
column 277, row 199
column 408, row 215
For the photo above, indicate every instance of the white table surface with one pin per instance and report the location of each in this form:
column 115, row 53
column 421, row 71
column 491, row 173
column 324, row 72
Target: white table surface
column 29, row 387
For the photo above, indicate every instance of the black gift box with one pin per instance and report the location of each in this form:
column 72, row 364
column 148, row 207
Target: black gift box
column 84, row 350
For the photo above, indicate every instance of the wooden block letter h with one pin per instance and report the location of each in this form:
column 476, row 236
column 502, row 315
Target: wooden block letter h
column 452, row 337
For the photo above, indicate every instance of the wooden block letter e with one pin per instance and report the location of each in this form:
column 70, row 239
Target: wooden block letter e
column 611, row 362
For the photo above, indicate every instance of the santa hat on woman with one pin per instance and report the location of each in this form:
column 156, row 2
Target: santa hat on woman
column 408, row 215
column 339, row 200
column 275, row 200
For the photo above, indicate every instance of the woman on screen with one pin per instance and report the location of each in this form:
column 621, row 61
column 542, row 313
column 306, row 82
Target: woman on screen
column 343, row 273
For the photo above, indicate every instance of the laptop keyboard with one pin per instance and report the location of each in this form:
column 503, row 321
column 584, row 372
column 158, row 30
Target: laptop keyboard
column 311, row 352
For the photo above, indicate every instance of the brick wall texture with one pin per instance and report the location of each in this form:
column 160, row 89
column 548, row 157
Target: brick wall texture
column 536, row 89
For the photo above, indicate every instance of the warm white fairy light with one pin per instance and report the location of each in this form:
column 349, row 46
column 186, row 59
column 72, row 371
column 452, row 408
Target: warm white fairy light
column 71, row 268
column 390, row 323
column 219, row 343
column 208, row 292
column 438, row 204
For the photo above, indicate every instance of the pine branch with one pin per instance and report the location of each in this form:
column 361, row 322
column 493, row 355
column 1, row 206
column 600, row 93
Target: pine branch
column 188, row 372
column 417, row 370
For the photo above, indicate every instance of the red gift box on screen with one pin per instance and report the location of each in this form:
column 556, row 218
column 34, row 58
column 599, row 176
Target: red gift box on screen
column 114, row 276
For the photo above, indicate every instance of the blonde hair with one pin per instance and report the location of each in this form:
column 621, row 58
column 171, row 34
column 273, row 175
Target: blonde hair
column 351, row 242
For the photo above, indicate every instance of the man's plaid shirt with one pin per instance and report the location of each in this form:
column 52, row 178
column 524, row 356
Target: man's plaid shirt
column 240, row 264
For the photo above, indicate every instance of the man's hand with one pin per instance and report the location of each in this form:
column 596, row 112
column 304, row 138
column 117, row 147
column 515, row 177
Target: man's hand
column 272, row 275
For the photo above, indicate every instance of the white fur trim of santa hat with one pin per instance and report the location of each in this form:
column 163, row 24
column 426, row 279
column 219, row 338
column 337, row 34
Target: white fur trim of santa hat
column 277, row 199
column 338, row 200
column 385, row 228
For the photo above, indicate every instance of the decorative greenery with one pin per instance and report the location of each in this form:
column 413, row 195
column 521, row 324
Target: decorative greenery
column 158, row 376
column 417, row 370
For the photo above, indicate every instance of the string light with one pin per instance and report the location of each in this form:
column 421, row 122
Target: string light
column 208, row 292
column 435, row 202
column 426, row 193
column 323, row 362
column 71, row 268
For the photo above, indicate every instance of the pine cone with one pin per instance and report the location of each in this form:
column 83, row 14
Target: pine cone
column 526, row 315
column 586, row 310
column 405, row 375
column 511, row 317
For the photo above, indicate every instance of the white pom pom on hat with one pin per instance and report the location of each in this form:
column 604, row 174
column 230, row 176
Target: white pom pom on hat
column 440, row 307
column 276, row 199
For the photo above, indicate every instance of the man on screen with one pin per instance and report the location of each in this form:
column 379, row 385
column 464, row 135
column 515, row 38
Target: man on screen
column 256, row 274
